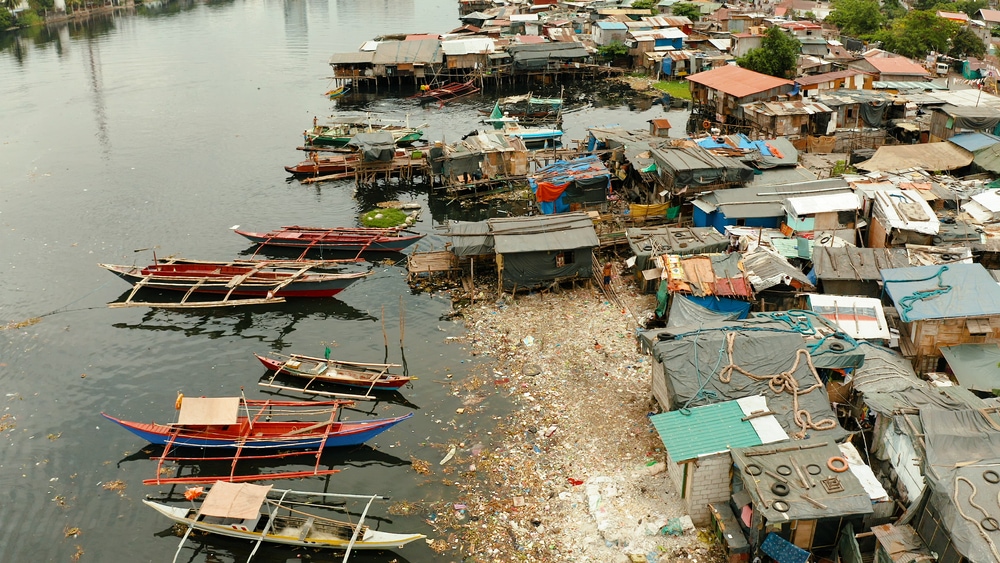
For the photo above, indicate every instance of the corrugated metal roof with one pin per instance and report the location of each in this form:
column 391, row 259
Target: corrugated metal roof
column 667, row 21
column 706, row 430
column 853, row 263
column 766, row 268
column 974, row 142
column 611, row 25
column 902, row 543
column 358, row 57
column 972, row 293
column 821, row 203
column 563, row 171
column 896, row 65
column 928, row 156
column 904, row 85
column 795, row 107
column 424, row 51
column 826, row 77
column 468, row 46
column 738, row 82
column 543, row 233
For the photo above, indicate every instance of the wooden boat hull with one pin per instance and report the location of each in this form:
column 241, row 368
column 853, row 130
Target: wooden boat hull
column 263, row 436
column 324, row 166
column 372, row 539
column 338, row 92
column 215, row 278
column 347, row 240
column 451, row 91
column 334, row 372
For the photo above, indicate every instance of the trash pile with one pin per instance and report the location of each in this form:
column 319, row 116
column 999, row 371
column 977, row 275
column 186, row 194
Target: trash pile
column 575, row 472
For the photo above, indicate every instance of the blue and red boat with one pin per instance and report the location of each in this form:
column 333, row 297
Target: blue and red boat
column 235, row 423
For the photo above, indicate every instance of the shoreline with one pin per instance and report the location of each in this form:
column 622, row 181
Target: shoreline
column 575, row 472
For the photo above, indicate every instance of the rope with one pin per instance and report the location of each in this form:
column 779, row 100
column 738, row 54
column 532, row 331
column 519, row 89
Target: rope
column 701, row 393
column 907, row 302
column 783, row 382
column 979, row 526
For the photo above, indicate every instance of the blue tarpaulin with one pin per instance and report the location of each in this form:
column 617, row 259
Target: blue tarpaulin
column 782, row 551
column 723, row 305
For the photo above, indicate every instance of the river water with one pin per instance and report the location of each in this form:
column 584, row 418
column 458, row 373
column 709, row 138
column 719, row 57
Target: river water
column 163, row 128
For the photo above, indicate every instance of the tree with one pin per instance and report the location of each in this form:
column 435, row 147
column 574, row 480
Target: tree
column 856, row 18
column 893, row 9
column 778, row 54
column 690, row 11
column 918, row 33
column 612, row 50
column 6, row 18
column 643, row 4
column 965, row 43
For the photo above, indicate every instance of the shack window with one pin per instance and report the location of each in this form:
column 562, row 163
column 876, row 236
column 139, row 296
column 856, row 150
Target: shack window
column 978, row 326
column 564, row 258
column 850, row 113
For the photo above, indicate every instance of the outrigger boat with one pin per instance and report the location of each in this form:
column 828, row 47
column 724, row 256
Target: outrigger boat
column 532, row 136
column 260, row 281
column 337, row 372
column 339, row 133
column 345, row 239
column 446, row 93
column 265, row 429
column 528, row 109
column 262, row 514
column 338, row 92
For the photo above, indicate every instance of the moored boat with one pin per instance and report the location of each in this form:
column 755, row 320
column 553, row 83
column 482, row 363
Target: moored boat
column 270, row 281
column 256, row 425
column 337, row 372
column 263, row 514
column 338, row 133
column 346, row 239
column 447, row 92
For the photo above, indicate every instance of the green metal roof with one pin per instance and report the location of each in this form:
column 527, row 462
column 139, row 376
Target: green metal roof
column 704, row 430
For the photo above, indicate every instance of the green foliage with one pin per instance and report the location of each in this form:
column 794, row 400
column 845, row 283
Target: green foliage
column 675, row 88
column 918, row 33
column 40, row 6
column 856, row 18
column 28, row 18
column 811, row 16
column 893, row 9
column 965, row 43
column 6, row 18
column 643, row 4
column 612, row 50
column 690, row 11
column 995, row 32
column 777, row 55
column 383, row 218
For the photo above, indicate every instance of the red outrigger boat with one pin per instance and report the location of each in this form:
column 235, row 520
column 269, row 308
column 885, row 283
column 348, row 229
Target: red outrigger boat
column 255, row 429
column 345, row 239
column 337, row 372
column 263, row 281
column 447, row 92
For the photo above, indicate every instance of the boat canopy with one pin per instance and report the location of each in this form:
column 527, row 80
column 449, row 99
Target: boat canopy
column 197, row 411
column 235, row 500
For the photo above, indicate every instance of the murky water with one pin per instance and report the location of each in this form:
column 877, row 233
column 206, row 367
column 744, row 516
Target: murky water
column 162, row 129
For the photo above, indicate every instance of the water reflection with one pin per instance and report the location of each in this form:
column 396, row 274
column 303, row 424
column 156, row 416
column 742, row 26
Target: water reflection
column 197, row 462
column 265, row 323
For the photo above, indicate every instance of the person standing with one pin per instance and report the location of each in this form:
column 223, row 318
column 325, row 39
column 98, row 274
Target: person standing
column 607, row 275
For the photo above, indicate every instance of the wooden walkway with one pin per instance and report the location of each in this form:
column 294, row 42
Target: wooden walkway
column 442, row 262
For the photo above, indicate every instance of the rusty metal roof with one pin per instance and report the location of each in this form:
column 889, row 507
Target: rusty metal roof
column 738, row 82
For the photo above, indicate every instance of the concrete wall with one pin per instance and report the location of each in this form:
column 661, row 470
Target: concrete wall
column 708, row 481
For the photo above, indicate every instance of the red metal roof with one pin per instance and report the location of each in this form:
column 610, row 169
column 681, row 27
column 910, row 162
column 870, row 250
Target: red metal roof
column 421, row 36
column 736, row 81
column 661, row 123
column 896, row 65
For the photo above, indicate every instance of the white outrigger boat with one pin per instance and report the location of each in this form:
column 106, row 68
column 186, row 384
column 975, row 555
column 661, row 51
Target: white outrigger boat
column 263, row 514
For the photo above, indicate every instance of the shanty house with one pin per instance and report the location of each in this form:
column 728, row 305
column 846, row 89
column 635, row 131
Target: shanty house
column 949, row 120
column 608, row 32
column 984, row 147
column 581, row 183
column 647, row 242
column 418, row 58
column 943, row 306
column 693, row 169
column 851, row 270
column 890, row 68
column 697, row 443
column 541, row 56
column 754, row 206
column 776, row 282
column 950, row 518
column 792, row 118
column 835, row 213
column 537, row 251
column 723, row 91
column 469, row 53
column 900, row 217
column 815, row 495
column 836, row 80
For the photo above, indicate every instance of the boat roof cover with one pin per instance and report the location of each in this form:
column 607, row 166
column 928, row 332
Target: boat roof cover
column 234, row 500
column 201, row 411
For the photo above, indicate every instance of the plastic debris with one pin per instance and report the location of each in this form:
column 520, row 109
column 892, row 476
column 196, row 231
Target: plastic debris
column 447, row 458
